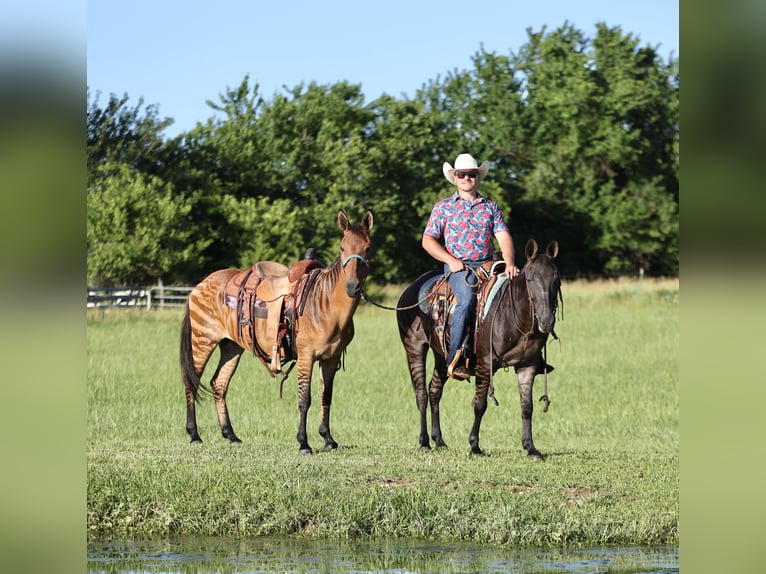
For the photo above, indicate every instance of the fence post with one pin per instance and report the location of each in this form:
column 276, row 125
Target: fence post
column 162, row 291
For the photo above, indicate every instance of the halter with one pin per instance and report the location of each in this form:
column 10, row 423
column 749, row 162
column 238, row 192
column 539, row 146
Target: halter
column 362, row 259
column 355, row 256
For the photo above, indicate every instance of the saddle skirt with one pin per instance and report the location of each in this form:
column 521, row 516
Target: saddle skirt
column 266, row 297
column 438, row 301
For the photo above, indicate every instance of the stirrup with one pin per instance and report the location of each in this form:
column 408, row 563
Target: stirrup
column 453, row 364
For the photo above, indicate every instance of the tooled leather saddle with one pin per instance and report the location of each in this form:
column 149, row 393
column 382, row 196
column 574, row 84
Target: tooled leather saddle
column 438, row 300
column 273, row 294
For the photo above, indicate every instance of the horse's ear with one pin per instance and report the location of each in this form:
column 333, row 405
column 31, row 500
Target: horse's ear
column 531, row 249
column 342, row 220
column 553, row 249
column 367, row 220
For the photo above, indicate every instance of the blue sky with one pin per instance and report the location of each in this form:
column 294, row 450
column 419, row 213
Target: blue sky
column 178, row 54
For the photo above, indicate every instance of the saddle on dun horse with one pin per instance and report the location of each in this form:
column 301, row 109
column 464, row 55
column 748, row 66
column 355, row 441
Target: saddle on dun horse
column 268, row 298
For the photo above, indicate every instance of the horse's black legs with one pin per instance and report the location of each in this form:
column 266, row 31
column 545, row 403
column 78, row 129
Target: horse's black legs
column 416, row 362
column 421, row 398
column 230, row 355
column 479, row 403
column 194, row 355
column 435, row 390
column 328, row 370
column 526, row 376
column 304, row 402
column 191, row 418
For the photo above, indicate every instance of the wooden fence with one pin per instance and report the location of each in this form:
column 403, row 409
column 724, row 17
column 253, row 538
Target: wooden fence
column 137, row 296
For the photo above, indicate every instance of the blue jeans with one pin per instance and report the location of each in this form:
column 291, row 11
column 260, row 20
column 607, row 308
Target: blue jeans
column 463, row 305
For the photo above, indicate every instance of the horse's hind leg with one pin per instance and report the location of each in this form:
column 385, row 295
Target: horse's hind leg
column 195, row 353
column 435, row 390
column 328, row 370
column 416, row 361
column 230, row 355
column 526, row 376
column 191, row 417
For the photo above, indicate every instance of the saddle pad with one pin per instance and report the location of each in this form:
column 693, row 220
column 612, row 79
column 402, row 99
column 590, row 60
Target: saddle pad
column 425, row 288
column 493, row 292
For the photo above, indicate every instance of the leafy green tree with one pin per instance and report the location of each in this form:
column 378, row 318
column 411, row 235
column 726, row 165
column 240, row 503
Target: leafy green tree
column 603, row 119
column 122, row 134
column 582, row 134
column 137, row 229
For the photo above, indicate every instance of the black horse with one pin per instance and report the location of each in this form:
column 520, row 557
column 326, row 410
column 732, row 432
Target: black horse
column 511, row 330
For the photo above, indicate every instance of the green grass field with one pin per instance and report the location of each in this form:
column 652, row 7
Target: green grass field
column 611, row 437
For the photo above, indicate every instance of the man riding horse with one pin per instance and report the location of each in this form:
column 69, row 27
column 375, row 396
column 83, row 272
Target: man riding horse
column 460, row 234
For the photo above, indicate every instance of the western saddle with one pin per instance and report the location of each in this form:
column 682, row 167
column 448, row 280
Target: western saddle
column 273, row 294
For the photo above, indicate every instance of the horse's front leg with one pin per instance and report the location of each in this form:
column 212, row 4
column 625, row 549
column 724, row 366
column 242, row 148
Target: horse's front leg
column 526, row 376
column 327, row 373
column 304, row 401
column 435, row 391
column 479, row 404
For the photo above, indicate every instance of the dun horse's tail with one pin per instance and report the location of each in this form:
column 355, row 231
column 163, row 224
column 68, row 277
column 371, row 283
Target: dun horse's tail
column 190, row 377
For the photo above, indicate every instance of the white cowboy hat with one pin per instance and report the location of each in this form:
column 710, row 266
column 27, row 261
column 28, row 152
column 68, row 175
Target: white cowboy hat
column 465, row 161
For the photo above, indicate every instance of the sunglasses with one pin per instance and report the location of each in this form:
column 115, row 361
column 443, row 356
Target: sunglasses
column 463, row 174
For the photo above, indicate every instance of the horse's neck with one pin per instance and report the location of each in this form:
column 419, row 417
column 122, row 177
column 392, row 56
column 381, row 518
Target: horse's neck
column 331, row 288
column 520, row 303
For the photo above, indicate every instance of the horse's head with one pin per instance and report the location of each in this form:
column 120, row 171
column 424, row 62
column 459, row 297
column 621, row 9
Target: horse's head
column 543, row 283
column 355, row 251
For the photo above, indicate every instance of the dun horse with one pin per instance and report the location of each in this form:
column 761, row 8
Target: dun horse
column 299, row 315
column 511, row 330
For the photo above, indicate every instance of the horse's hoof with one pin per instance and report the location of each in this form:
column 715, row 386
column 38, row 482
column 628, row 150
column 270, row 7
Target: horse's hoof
column 235, row 440
column 477, row 452
column 306, row 450
column 535, row 455
column 331, row 445
column 425, row 448
column 196, row 441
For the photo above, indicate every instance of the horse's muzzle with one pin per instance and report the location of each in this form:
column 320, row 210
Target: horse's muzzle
column 545, row 326
column 353, row 288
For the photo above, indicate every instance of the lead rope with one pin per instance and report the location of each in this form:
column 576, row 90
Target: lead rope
column 367, row 299
column 545, row 358
column 491, row 369
column 545, row 379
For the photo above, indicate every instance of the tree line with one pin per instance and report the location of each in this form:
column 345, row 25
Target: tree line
column 582, row 136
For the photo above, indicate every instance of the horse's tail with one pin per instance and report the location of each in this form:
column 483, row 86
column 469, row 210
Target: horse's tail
column 190, row 377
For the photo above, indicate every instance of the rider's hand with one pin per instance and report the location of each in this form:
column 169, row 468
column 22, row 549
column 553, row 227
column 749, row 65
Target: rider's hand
column 456, row 265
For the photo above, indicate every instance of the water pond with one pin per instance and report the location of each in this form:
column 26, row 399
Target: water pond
column 202, row 555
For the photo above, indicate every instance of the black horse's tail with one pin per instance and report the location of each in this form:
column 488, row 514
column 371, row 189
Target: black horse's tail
column 190, row 378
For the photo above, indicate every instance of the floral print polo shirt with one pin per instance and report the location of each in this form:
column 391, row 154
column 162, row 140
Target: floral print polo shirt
column 467, row 228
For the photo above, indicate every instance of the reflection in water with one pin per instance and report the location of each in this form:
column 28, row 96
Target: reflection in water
column 187, row 555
